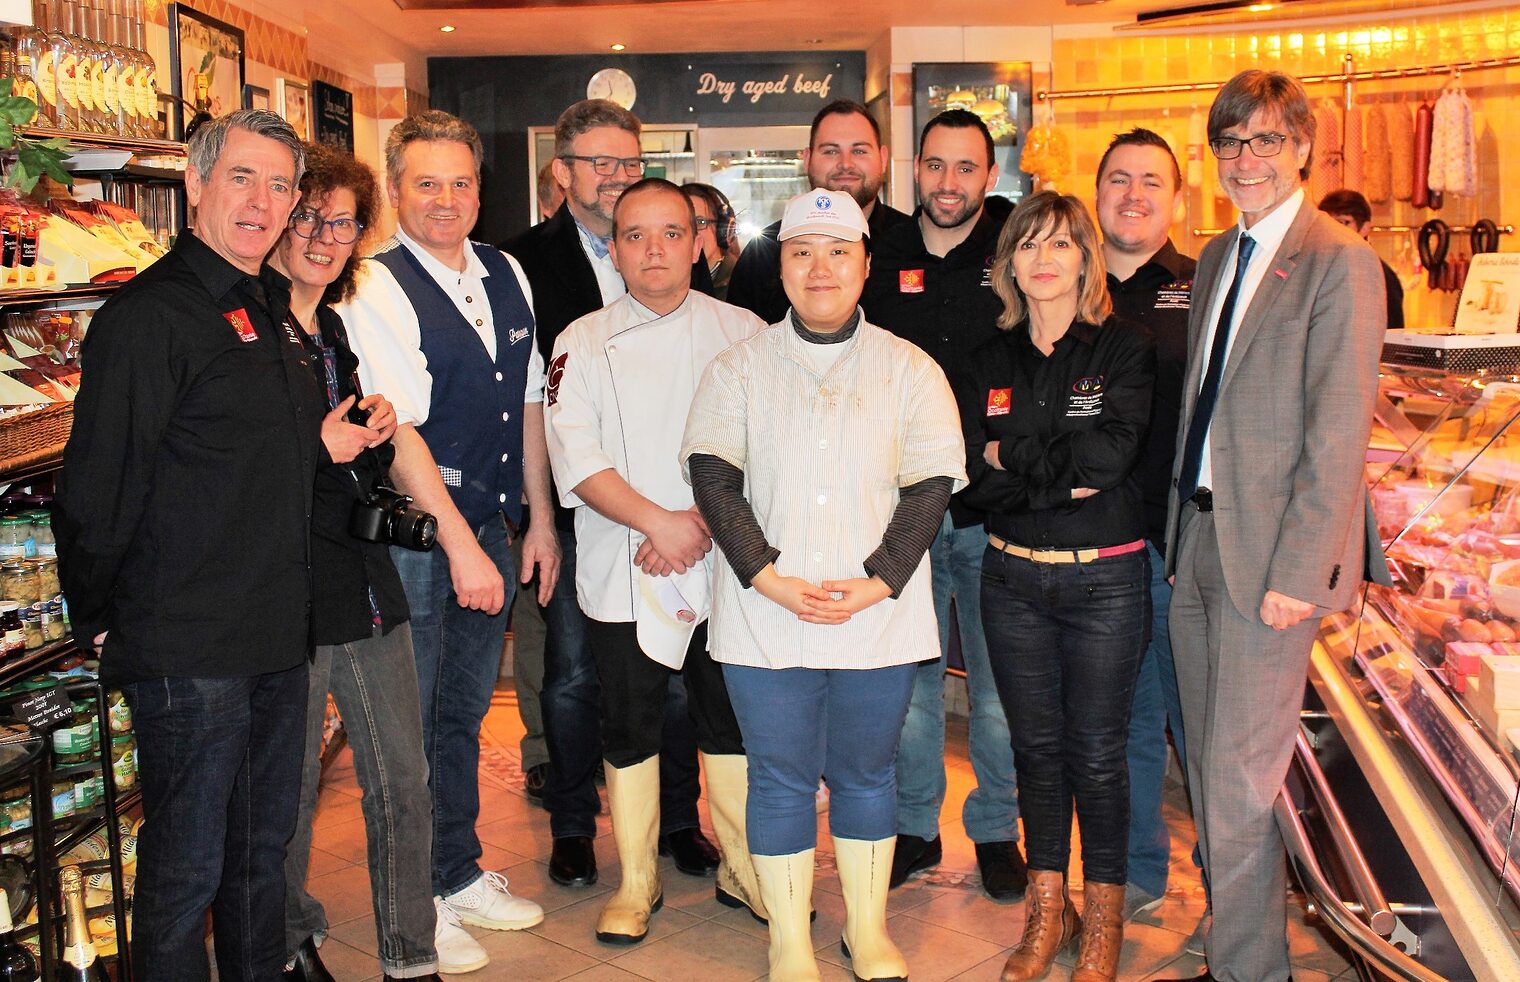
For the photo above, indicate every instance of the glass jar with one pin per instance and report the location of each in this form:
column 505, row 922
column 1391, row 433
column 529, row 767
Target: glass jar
column 18, row 582
column 78, row 734
column 53, row 625
column 48, row 586
column 124, row 761
column 14, row 531
column 15, row 809
column 42, row 535
column 89, row 790
column 63, row 798
column 12, row 634
column 118, row 711
column 31, row 626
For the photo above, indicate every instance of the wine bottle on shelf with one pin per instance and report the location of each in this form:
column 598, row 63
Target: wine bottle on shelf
column 107, row 88
column 88, row 73
column 17, row 964
column 124, row 71
column 27, row 44
column 147, row 74
column 79, row 961
column 65, row 63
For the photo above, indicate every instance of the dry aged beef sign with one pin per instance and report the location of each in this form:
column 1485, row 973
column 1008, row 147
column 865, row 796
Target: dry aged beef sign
column 766, row 86
column 333, row 115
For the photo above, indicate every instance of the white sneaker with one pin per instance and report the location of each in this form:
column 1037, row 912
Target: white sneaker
column 488, row 903
column 458, row 953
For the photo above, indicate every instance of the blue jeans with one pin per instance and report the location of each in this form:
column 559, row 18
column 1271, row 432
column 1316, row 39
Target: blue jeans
column 374, row 683
column 220, row 762
column 802, row 723
column 458, row 653
column 991, row 811
column 571, row 704
column 1156, row 707
column 1066, row 641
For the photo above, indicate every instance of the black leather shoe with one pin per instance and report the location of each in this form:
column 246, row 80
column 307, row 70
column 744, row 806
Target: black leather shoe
column 1004, row 873
column 572, row 861
column 430, row 977
column 1205, row 977
column 308, row 966
column 694, row 855
column 534, row 780
column 913, row 854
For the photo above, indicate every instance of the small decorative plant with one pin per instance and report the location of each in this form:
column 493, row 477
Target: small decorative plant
column 33, row 158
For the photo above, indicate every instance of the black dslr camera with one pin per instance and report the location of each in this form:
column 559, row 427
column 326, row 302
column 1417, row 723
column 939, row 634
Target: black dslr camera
column 387, row 516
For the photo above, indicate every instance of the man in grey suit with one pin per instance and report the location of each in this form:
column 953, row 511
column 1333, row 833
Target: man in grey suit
column 1266, row 519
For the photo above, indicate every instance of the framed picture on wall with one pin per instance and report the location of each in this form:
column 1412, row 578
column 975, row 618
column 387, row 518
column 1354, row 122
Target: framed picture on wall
column 206, row 65
column 293, row 101
column 255, row 97
column 998, row 92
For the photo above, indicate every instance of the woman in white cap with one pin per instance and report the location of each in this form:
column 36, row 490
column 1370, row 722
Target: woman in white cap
column 822, row 453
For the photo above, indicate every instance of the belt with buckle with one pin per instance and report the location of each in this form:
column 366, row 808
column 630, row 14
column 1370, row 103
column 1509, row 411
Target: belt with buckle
column 1203, row 499
column 1064, row 555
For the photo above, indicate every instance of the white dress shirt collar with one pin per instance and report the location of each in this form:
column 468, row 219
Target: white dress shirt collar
column 438, row 270
column 1272, row 229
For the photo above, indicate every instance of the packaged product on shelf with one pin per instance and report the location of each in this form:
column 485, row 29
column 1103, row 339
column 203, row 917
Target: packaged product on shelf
column 12, row 634
column 124, row 761
column 31, row 626
column 47, row 567
column 19, row 582
column 63, row 798
column 53, row 626
column 130, row 226
column 119, row 713
column 69, row 668
column 45, row 544
column 103, row 229
column 79, row 734
column 103, row 933
column 21, row 246
column 14, row 531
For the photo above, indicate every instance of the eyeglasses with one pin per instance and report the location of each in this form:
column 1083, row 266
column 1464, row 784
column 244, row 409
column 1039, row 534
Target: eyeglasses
column 705, row 223
column 607, row 166
column 308, row 225
column 1265, row 145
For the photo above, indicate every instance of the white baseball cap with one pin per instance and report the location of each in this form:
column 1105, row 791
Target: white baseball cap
column 823, row 212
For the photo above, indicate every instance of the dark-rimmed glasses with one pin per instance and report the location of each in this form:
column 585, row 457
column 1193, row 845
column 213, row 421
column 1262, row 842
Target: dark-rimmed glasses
column 607, row 166
column 308, row 225
column 1265, row 145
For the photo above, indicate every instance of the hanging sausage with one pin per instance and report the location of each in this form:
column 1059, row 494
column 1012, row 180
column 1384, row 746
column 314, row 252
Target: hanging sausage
column 1352, row 152
column 1401, row 151
column 1327, row 173
column 1377, row 166
column 1422, row 121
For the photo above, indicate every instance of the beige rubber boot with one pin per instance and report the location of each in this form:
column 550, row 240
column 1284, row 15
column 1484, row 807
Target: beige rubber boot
column 864, row 869
column 633, row 794
column 786, row 884
column 727, row 791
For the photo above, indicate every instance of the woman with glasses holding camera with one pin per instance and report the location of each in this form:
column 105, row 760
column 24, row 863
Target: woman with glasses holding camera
column 359, row 612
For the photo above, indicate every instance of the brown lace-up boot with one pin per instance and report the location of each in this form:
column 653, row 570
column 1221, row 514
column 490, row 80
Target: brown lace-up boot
column 1050, row 924
column 1102, row 933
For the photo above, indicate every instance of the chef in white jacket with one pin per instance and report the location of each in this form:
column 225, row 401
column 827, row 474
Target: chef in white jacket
column 620, row 383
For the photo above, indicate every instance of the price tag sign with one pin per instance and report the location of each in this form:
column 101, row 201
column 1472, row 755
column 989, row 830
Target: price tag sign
column 43, row 708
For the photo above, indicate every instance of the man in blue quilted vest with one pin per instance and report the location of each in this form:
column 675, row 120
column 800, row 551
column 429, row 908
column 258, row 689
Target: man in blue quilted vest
column 444, row 327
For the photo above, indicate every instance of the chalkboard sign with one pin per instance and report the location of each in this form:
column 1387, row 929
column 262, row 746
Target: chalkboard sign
column 333, row 114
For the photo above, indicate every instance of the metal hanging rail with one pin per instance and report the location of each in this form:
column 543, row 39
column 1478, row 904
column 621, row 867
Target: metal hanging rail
column 1507, row 61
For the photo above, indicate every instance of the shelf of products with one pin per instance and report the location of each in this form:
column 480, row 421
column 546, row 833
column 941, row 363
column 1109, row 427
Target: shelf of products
column 1415, row 694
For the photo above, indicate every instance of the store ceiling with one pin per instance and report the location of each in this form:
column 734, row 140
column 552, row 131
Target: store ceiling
column 535, row 27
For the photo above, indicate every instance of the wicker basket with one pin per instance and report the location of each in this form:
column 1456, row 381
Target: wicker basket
column 37, row 437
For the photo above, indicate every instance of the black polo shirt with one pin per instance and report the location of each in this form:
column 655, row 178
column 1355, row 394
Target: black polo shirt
column 1158, row 297
column 945, row 305
column 355, row 583
column 1074, row 419
column 184, row 506
column 756, row 281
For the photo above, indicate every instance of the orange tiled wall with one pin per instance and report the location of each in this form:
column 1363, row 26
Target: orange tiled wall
column 1084, row 63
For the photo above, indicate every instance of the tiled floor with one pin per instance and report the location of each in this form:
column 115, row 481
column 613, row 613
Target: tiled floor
column 945, row 925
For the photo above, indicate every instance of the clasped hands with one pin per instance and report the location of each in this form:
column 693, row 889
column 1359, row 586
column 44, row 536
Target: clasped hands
column 675, row 542
column 830, row 602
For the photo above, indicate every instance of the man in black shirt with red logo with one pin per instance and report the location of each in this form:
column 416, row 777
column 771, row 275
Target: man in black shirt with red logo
column 930, row 284
column 183, row 521
column 1151, row 283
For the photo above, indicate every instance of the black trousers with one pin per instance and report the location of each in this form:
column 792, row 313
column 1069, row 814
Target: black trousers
column 634, row 691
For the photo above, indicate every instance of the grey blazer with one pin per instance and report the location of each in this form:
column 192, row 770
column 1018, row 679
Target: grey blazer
column 1290, row 430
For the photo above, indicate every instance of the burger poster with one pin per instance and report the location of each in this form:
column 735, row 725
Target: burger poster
column 998, row 92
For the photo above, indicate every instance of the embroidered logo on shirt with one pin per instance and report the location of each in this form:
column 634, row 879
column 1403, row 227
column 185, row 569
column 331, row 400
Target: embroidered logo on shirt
column 910, row 281
column 556, row 372
column 240, row 323
column 1086, row 397
column 999, row 401
column 1175, row 296
column 517, row 334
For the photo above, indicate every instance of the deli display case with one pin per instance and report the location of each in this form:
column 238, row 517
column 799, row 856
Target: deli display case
column 1401, row 812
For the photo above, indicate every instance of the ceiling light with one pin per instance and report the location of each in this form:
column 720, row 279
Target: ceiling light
column 447, row 28
column 619, row 46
